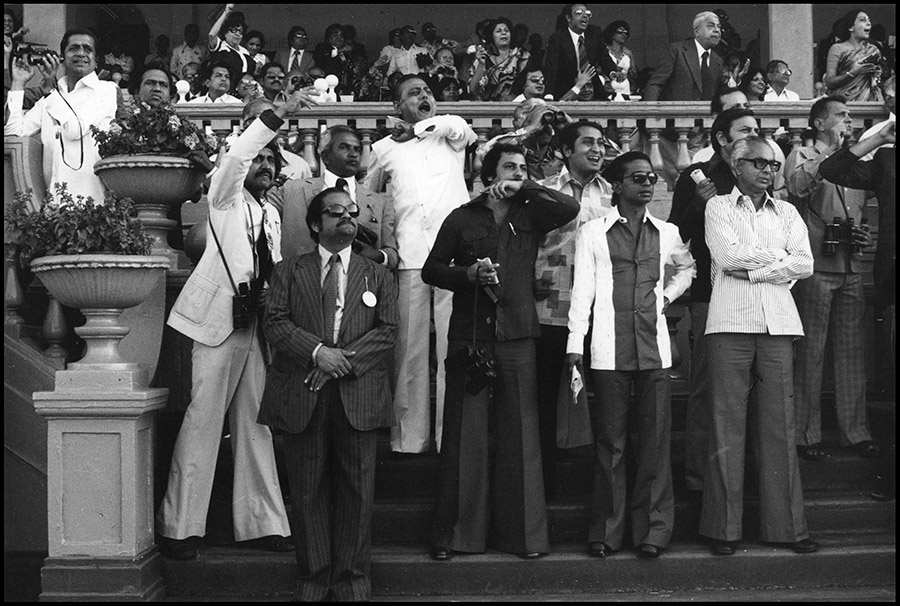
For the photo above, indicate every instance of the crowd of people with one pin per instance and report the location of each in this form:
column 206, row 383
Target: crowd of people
column 310, row 307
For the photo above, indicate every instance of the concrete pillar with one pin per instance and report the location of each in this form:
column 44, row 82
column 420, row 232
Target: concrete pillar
column 100, row 457
column 791, row 39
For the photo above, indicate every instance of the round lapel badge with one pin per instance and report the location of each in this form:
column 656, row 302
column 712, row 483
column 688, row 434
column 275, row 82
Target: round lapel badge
column 369, row 299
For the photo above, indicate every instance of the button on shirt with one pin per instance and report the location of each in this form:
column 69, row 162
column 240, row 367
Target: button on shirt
column 555, row 263
column 773, row 245
column 427, row 181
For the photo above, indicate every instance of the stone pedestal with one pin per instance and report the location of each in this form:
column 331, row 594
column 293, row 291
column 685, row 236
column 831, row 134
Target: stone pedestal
column 100, row 456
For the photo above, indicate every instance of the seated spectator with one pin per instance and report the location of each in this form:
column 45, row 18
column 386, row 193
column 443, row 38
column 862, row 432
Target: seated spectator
column 254, row 42
column 394, row 44
column 532, row 85
column 248, row 88
column 779, row 76
column 225, row 37
column 448, row 89
column 734, row 69
column 519, row 36
column 409, row 58
column 443, row 65
column 272, row 80
column 296, row 57
column 162, row 56
column 189, row 51
column 497, row 64
column 754, row 84
column 615, row 35
column 217, row 81
column 191, row 74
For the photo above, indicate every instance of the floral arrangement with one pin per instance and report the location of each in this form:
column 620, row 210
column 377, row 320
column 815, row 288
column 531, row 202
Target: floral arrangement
column 152, row 130
column 67, row 226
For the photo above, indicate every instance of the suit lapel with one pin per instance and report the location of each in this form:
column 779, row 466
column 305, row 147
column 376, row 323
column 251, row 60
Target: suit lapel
column 689, row 50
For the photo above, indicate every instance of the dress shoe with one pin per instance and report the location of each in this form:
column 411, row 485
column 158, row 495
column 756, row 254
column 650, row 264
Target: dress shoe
column 867, row 449
column 440, row 553
column 812, row 452
column 533, row 555
column 273, row 542
column 722, row 548
column 599, row 550
column 805, row 546
column 180, row 549
column 647, row 550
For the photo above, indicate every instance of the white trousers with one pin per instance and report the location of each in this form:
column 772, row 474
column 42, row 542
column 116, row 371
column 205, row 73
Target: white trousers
column 411, row 431
column 230, row 376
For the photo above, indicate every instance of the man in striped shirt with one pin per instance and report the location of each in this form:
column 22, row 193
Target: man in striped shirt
column 620, row 266
column 759, row 248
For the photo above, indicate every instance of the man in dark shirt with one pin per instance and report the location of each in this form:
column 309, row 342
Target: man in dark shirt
column 688, row 207
column 485, row 253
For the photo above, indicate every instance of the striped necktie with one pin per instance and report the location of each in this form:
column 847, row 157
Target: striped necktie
column 582, row 54
column 329, row 298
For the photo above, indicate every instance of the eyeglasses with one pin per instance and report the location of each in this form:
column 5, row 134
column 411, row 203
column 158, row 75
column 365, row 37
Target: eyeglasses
column 762, row 163
column 338, row 210
column 300, row 36
column 786, row 72
column 623, row 31
column 579, row 12
column 642, row 178
column 536, row 80
column 235, row 30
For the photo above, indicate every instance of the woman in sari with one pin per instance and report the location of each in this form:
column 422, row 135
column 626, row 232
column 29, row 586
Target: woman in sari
column 854, row 66
column 497, row 65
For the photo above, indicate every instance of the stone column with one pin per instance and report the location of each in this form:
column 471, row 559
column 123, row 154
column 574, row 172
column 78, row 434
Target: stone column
column 100, row 457
column 791, row 39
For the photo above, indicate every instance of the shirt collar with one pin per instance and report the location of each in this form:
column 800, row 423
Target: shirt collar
column 742, row 199
column 91, row 81
column 330, row 180
column 325, row 257
column 575, row 37
column 565, row 177
column 822, row 147
column 613, row 217
column 701, row 50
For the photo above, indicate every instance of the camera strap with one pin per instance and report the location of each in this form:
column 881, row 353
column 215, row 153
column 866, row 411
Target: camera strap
column 222, row 254
column 59, row 134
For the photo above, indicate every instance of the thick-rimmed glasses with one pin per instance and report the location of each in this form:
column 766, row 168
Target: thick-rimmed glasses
column 762, row 163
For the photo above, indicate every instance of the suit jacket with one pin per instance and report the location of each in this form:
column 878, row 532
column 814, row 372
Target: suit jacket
column 294, row 327
column 376, row 211
column 331, row 64
column 678, row 77
column 203, row 309
column 561, row 64
column 306, row 63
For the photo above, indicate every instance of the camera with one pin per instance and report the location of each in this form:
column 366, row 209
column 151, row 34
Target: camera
column 34, row 53
column 479, row 367
column 840, row 231
column 245, row 304
column 873, row 59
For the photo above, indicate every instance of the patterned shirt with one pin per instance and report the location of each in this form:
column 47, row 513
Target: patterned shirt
column 184, row 54
column 772, row 244
column 555, row 264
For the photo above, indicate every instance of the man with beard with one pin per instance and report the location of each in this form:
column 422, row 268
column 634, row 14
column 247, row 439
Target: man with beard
column 228, row 369
column 424, row 158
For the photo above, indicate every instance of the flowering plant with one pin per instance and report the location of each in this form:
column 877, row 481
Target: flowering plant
column 152, row 130
column 66, row 226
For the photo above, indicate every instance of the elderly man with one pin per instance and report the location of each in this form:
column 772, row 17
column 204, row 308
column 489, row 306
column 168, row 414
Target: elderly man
column 424, row 159
column 573, row 49
column 690, row 70
column 831, row 302
column 64, row 117
column 340, row 151
column 217, row 80
column 759, row 247
column 779, row 76
column 296, row 58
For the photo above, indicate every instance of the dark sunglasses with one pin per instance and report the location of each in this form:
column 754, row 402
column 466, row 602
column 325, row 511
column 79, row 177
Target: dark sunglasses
column 641, row 178
column 338, row 210
column 762, row 163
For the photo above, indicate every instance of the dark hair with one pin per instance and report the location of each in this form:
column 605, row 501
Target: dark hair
column 327, row 140
column 334, row 27
column 265, row 68
column 610, row 29
column 772, row 65
column 293, row 32
column 255, row 34
column 14, row 16
column 233, row 20
column 489, row 30
column 276, row 152
column 723, row 122
column 715, row 106
column 395, row 89
column 820, row 108
column 562, row 19
column 316, row 208
column 349, row 32
column 615, row 172
column 492, row 159
column 80, row 31
column 847, row 22
column 748, row 77
column 137, row 76
column 209, row 66
column 570, row 133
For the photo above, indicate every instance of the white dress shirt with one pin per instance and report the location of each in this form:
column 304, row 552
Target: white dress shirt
column 779, row 185
column 64, row 119
column 226, row 98
column 404, row 60
column 330, row 180
column 772, row 244
column 294, row 52
column 427, row 181
column 785, row 95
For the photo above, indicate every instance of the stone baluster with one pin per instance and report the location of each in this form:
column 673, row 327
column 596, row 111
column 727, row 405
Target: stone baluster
column 683, row 159
column 366, row 128
column 481, row 128
column 13, row 296
column 625, row 137
column 309, row 149
column 796, row 137
column 655, row 155
column 54, row 331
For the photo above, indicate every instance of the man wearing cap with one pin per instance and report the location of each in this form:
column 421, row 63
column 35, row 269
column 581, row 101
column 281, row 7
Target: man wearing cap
column 405, row 59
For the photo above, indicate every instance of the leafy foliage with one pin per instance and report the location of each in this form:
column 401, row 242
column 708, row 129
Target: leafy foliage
column 66, row 226
column 152, row 130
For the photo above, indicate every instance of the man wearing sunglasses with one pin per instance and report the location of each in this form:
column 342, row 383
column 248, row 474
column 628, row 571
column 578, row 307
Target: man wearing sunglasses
column 759, row 248
column 332, row 319
column 779, row 76
column 295, row 58
column 574, row 48
column 620, row 267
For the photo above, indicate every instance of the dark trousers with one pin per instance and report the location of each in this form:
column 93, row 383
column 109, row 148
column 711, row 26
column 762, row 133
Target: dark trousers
column 470, row 498
column 331, row 468
column 652, row 503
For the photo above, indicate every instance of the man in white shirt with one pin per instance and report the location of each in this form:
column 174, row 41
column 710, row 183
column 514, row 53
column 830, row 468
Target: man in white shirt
column 779, row 76
column 65, row 116
column 533, row 87
column 404, row 58
column 218, row 83
column 424, row 158
column 759, row 247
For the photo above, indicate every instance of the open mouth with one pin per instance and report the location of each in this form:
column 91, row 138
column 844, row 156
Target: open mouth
column 425, row 106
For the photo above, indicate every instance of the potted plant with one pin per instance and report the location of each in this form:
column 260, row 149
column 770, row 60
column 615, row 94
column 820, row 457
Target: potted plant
column 92, row 257
column 145, row 155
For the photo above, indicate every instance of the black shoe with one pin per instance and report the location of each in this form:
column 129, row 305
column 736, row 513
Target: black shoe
column 722, row 548
column 648, row 551
column 599, row 550
column 180, row 549
column 867, row 449
column 812, row 452
column 805, row 546
column 440, row 553
column 531, row 555
column 273, row 542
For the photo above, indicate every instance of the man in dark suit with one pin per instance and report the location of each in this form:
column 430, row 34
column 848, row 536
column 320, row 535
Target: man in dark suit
column 329, row 55
column 563, row 60
column 296, row 57
column 340, row 151
column 690, row 71
column 332, row 318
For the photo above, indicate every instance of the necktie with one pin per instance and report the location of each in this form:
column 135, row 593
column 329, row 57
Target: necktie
column 582, row 54
column 329, row 298
column 295, row 62
column 706, row 78
column 341, row 184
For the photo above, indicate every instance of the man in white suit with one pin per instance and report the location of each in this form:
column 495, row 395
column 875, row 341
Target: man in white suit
column 228, row 368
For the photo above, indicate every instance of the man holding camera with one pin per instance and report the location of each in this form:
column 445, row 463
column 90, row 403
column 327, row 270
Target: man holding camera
column 831, row 302
column 218, row 308
column 485, row 253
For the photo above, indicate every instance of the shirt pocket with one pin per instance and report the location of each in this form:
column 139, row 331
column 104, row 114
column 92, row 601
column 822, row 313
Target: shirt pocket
column 475, row 245
column 199, row 295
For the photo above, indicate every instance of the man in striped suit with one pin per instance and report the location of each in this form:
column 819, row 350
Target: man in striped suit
column 620, row 266
column 332, row 318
